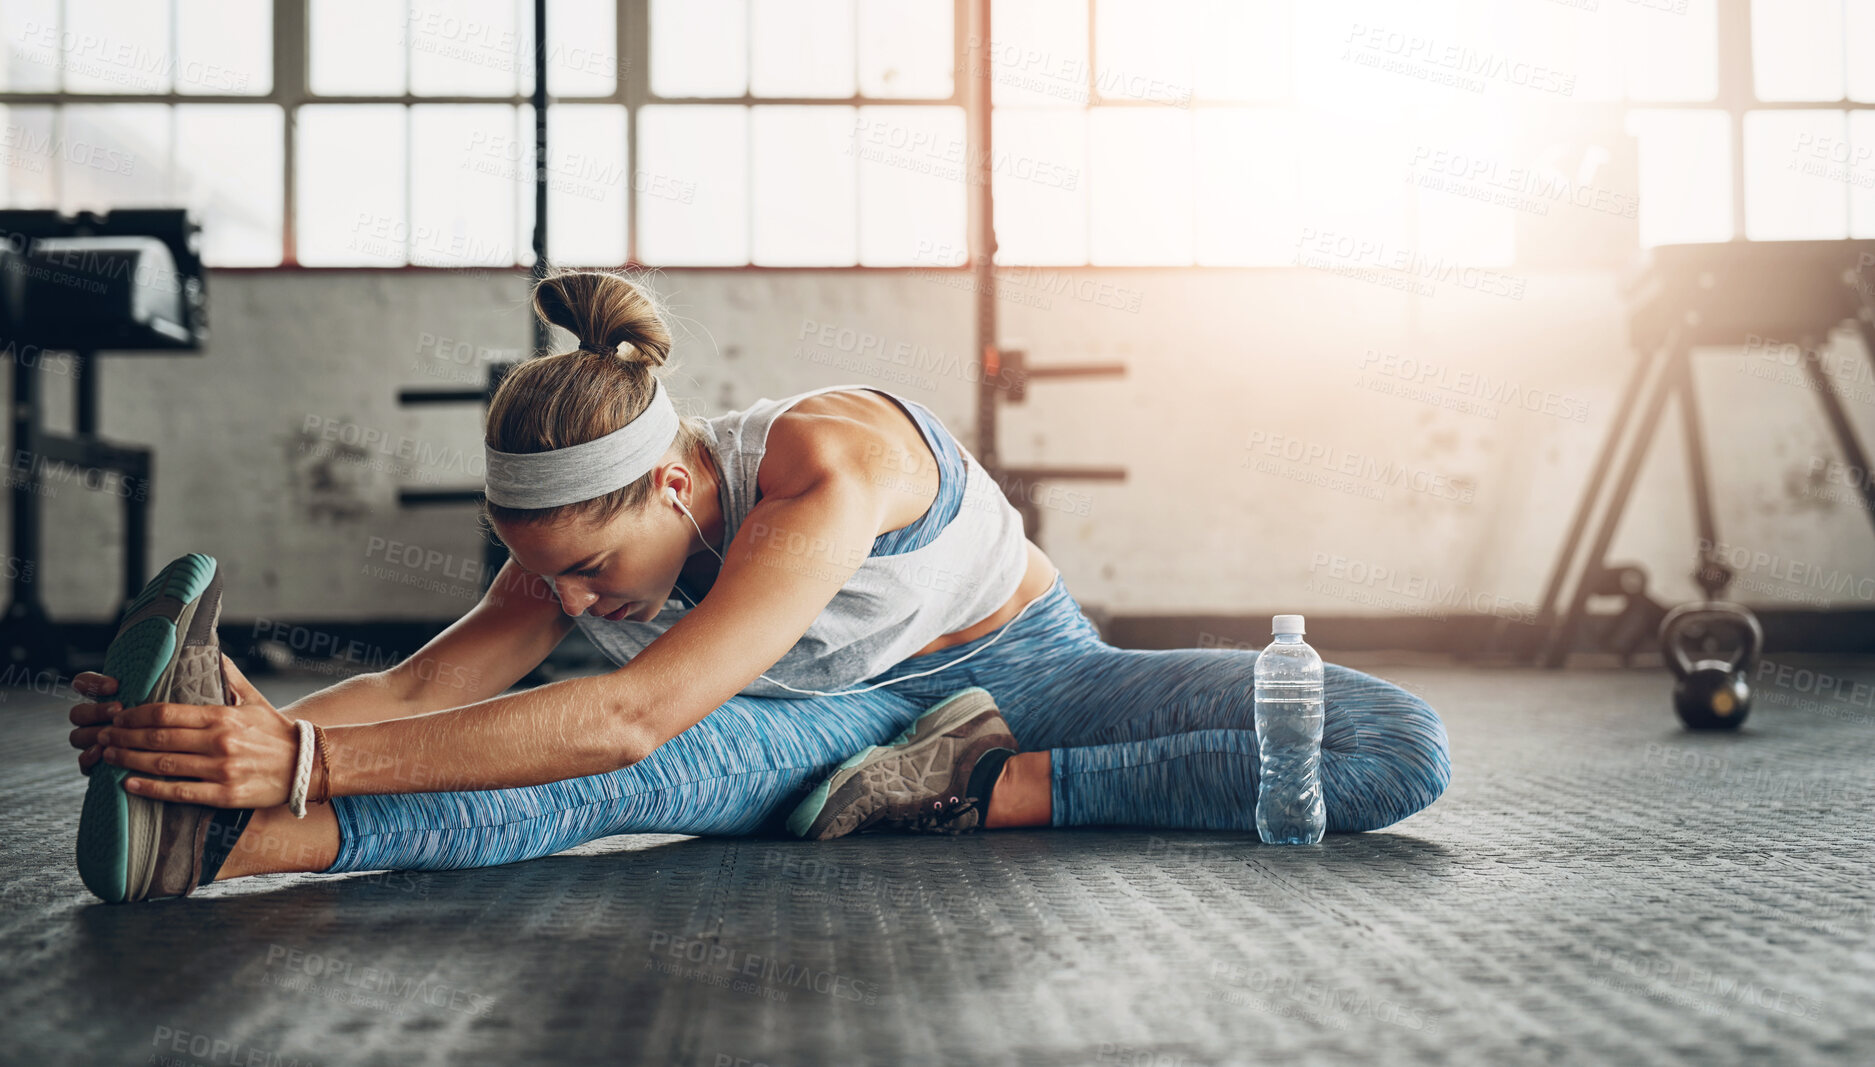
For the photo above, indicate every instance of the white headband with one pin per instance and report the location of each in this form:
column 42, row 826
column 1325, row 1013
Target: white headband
column 583, row 471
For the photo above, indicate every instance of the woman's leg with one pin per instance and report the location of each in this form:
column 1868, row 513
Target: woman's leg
column 1168, row 738
column 1384, row 751
column 738, row 769
column 273, row 841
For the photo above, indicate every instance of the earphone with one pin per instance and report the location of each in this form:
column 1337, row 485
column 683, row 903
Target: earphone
column 670, row 494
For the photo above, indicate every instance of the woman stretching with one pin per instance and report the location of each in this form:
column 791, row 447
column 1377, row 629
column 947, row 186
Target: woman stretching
column 824, row 615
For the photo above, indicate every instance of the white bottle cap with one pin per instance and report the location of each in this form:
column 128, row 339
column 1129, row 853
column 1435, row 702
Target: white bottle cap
column 1286, row 624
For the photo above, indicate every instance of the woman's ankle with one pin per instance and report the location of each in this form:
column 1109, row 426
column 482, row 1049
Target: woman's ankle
column 277, row 843
column 1024, row 793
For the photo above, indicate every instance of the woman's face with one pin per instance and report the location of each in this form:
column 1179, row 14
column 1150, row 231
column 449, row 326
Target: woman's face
column 625, row 568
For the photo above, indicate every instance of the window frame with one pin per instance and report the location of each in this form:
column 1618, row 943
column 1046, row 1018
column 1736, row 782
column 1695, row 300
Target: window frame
column 1738, row 96
column 290, row 90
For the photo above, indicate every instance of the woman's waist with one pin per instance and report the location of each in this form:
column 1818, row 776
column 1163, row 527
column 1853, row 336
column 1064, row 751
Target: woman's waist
column 835, row 659
column 1049, row 621
column 1038, row 576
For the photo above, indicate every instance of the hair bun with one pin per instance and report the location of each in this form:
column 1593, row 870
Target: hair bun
column 608, row 315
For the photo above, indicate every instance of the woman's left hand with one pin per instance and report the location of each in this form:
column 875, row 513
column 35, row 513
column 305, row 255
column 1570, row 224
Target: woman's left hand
column 240, row 755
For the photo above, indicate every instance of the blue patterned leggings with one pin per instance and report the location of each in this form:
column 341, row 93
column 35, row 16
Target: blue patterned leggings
column 1139, row 738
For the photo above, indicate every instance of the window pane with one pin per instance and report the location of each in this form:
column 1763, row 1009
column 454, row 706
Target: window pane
column 232, row 174
column 356, row 48
column 1785, row 202
column 1140, row 163
column 1246, row 192
column 1796, row 49
column 1348, row 201
column 906, row 48
column 468, row 48
column 1686, row 175
column 582, row 48
column 587, row 183
column 801, row 48
column 224, row 47
column 1038, row 53
column 113, row 47
column 349, row 181
column 1575, row 38
column 1243, row 49
column 113, row 155
column 1039, row 177
column 911, row 184
column 1669, row 52
column 802, row 208
column 1859, row 173
column 1466, row 218
column 462, row 214
column 699, row 47
column 1359, row 66
column 29, row 153
column 1146, row 50
column 1859, row 32
column 29, row 46
column 693, row 185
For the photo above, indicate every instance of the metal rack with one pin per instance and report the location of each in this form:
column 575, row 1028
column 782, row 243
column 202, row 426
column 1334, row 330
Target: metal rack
column 1683, row 297
column 127, row 280
column 1006, row 373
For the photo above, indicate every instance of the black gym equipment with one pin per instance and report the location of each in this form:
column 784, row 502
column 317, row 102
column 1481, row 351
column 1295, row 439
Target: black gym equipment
column 1714, row 691
column 1684, row 297
column 128, row 280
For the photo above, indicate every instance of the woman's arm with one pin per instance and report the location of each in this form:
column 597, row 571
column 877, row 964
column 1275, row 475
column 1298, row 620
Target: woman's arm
column 839, row 482
column 515, row 625
column 508, row 633
column 797, row 548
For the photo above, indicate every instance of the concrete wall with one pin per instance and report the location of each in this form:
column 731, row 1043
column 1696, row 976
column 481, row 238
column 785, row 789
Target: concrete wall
column 1278, row 462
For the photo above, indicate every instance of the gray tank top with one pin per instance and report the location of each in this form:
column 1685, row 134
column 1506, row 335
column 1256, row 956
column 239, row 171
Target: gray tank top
column 891, row 607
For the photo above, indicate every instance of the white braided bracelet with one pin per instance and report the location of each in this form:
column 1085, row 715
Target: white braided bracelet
column 302, row 771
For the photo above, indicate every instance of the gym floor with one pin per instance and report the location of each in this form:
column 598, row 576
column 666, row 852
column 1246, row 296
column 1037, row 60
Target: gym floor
column 1597, row 886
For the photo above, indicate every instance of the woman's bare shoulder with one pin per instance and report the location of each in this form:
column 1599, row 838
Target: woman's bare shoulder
column 863, row 407
column 849, row 432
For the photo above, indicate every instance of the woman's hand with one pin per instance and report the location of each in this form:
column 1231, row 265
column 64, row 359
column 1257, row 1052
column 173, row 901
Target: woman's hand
column 241, row 755
column 91, row 718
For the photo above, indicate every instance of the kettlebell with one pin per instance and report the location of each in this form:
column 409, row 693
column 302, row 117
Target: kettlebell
column 1710, row 694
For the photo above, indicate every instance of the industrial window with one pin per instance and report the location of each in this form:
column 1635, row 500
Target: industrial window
column 1113, row 137
column 1219, row 132
column 1808, row 173
column 826, row 133
column 414, row 146
column 1230, row 132
column 103, row 117
column 830, row 133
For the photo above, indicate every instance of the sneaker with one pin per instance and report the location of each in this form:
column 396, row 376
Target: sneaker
column 935, row 777
column 130, row 847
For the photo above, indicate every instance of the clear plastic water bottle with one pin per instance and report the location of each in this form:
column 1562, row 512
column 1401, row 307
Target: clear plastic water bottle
column 1289, row 738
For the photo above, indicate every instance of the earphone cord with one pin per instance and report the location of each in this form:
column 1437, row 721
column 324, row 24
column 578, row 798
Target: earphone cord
column 1000, row 631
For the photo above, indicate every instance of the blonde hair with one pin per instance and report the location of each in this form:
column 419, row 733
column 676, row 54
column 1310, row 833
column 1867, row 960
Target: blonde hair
column 554, row 401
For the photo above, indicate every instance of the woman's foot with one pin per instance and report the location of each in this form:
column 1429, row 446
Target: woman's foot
column 936, row 777
column 134, row 848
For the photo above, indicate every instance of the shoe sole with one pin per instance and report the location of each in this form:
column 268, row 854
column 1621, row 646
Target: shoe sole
column 118, row 832
column 810, row 817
